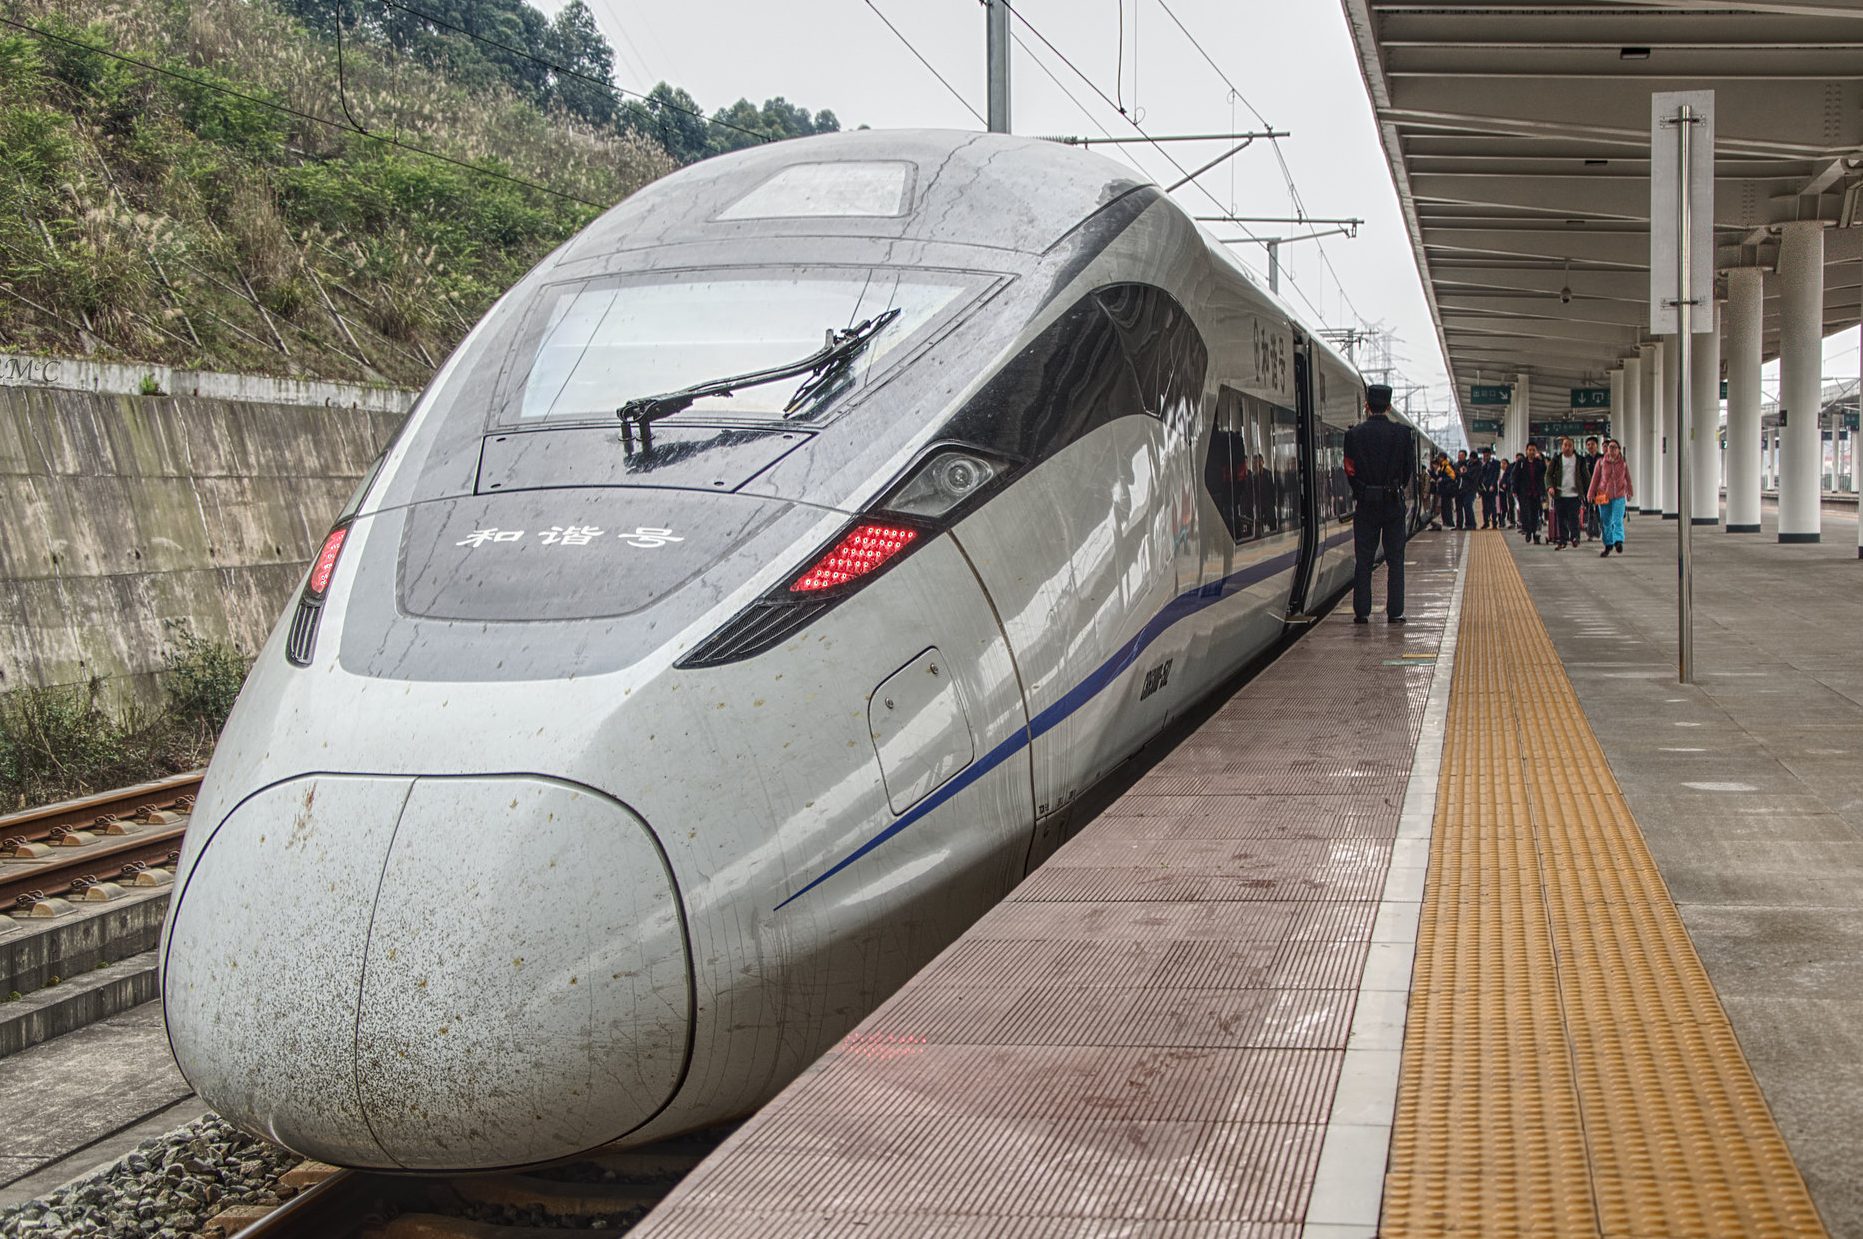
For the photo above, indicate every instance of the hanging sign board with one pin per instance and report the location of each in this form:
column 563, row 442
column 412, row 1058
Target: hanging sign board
column 1490, row 393
column 1666, row 174
column 1591, row 397
column 1575, row 428
column 1484, row 425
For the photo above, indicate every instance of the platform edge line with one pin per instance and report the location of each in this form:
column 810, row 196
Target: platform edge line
column 1345, row 1182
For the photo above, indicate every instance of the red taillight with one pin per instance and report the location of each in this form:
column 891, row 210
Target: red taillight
column 326, row 561
column 864, row 548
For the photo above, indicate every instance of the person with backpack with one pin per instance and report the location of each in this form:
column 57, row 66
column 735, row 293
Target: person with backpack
column 1445, row 479
column 1530, row 491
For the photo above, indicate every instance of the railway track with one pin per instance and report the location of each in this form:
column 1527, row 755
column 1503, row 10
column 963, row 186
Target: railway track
column 607, row 1192
column 63, row 850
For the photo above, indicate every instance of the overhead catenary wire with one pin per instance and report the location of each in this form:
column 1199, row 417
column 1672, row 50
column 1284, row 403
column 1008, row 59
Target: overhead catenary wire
column 929, row 67
column 1154, row 143
column 1074, row 99
column 288, row 110
column 1287, row 175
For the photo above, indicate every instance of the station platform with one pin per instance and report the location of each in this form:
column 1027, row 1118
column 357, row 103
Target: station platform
column 1382, row 948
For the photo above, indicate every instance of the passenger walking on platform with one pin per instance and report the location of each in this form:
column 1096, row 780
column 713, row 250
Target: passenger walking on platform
column 1564, row 477
column 1530, row 491
column 1490, row 472
column 1380, row 459
column 1588, row 464
column 1611, row 488
column 1507, row 492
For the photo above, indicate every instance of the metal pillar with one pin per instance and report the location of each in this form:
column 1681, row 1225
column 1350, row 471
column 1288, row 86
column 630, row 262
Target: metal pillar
column 1667, row 433
column 1649, row 432
column 1704, row 427
column 997, row 20
column 1801, row 365
column 1742, row 327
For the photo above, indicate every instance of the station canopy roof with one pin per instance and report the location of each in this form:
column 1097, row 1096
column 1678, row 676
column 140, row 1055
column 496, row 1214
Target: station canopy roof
column 1518, row 139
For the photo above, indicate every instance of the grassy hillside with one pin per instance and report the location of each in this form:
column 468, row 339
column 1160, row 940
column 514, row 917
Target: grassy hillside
column 216, row 209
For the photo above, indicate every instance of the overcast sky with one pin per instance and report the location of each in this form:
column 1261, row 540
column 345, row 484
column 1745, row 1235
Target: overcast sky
column 1293, row 61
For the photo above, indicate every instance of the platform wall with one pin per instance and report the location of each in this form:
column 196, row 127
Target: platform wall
column 123, row 515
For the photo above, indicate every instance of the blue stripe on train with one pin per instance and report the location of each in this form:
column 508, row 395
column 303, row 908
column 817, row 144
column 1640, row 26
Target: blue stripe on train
column 1179, row 608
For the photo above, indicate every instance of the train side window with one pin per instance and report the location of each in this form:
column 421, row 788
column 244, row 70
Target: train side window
column 1226, row 472
column 1167, row 353
column 1337, row 486
column 1285, row 463
column 1070, row 380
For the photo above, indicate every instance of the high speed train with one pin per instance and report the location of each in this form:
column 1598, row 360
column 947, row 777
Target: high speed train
column 739, row 614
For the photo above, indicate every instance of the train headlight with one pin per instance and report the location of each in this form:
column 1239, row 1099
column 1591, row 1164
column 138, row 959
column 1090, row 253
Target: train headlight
column 942, row 483
column 301, row 640
column 947, row 482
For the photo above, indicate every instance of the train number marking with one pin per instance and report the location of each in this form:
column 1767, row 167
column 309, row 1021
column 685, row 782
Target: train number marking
column 645, row 538
column 1156, row 679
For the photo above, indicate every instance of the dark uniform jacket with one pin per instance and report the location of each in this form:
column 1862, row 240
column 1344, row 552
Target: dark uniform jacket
column 1491, row 472
column 1530, row 476
column 1468, row 476
column 1380, row 459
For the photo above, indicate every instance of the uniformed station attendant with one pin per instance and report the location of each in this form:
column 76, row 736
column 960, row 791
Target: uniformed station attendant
column 1380, row 458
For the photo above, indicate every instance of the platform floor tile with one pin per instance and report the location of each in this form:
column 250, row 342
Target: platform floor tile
column 1151, row 1035
column 1567, row 1067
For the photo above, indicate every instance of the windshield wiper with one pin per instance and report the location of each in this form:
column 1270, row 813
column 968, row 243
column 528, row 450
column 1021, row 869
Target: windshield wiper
column 826, row 363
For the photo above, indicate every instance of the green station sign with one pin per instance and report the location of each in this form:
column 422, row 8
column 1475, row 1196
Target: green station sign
column 1484, row 425
column 1578, row 428
column 1490, row 393
column 1591, row 397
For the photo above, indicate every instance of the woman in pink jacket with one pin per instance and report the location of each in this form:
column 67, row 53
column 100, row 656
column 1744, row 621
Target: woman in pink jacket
column 1610, row 487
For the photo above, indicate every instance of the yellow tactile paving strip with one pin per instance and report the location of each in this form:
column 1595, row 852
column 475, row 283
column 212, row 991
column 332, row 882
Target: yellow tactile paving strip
column 1567, row 1068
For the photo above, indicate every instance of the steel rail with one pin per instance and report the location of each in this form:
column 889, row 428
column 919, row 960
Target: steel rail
column 37, row 824
column 24, row 882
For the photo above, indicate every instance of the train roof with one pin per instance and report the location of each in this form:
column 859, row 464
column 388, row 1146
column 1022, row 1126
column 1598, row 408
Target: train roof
column 991, row 190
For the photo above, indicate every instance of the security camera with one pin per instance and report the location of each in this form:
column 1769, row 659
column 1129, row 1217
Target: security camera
column 1565, row 295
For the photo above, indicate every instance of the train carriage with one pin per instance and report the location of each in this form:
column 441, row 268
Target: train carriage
column 738, row 616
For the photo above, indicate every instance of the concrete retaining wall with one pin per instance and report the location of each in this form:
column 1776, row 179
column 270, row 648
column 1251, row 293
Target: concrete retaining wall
column 123, row 515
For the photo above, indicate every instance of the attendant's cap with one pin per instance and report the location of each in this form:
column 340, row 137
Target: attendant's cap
column 1488, row 451
column 1378, row 396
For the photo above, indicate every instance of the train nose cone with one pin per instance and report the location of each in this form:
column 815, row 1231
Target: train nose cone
column 446, row 973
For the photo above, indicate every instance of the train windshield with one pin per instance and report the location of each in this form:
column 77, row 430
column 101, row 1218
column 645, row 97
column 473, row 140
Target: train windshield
column 594, row 345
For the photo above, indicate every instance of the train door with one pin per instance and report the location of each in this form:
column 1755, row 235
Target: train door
column 1307, row 438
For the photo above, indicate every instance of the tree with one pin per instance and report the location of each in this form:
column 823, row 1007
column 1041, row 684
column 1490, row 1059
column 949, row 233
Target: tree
column 775, row 120
column 672, row 118
column 576, row 46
